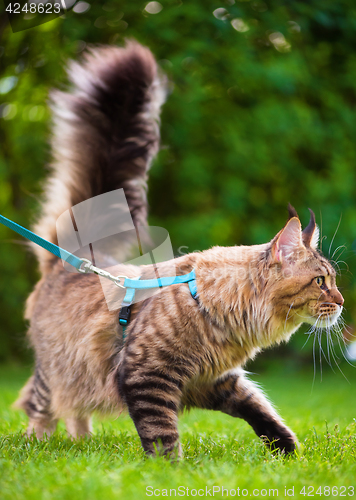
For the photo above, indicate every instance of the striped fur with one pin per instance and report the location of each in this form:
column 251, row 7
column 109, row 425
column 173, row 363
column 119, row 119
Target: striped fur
column 180, row 352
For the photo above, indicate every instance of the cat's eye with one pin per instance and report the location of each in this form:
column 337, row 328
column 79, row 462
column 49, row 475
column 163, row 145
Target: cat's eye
column 320, row 280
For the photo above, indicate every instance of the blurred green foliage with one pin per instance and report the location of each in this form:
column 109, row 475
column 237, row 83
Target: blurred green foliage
column 261, row 113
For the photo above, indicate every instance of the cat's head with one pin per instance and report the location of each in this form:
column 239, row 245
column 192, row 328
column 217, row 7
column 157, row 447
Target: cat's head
column 305, row 288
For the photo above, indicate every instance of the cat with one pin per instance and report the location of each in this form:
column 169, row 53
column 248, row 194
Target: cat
column 180, row 352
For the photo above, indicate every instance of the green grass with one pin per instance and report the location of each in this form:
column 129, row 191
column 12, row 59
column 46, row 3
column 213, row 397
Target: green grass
column 218, row 450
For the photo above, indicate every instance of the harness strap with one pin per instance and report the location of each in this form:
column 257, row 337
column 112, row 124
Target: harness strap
column 136, row 284
column 193, row 287
column 159, row 282
column 125, row 311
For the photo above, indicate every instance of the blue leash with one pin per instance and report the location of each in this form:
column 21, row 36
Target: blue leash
column 85, row 266
column 51, row 247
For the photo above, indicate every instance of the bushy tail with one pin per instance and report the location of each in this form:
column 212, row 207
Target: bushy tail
column 105, row 134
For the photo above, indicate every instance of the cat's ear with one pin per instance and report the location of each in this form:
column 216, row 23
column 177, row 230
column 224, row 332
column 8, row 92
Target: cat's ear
column 311, row 233
column 288, row 240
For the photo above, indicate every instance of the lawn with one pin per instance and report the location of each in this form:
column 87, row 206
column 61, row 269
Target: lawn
column 219, row 451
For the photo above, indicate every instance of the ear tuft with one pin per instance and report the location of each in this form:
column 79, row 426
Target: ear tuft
column 288, row 241
column 311, row 233
column 292, row 212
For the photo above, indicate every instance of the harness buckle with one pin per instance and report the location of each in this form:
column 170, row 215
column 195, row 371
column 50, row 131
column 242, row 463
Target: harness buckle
column 124, row 315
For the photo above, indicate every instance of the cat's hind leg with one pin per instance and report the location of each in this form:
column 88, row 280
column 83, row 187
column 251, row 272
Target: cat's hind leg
column 237, row 396
column 35, row 400
column 78, row 426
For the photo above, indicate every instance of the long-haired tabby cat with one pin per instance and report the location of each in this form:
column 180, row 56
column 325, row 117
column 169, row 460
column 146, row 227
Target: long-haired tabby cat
column 180, row 352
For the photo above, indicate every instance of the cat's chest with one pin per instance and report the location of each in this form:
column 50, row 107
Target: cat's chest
column 223, row 353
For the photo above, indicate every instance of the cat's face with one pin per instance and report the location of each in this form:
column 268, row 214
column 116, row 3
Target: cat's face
column 325, row 302
column 305, row 291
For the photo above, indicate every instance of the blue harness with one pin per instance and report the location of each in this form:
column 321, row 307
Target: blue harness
column 133, row 285
column 85, row 266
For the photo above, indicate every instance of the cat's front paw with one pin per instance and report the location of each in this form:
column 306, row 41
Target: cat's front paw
column 284, row 445
column 282, row 440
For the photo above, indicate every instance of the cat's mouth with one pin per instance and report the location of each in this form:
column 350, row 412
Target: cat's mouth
column 327, row 315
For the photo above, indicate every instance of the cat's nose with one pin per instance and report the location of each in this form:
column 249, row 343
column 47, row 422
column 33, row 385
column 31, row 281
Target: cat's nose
column 338, row 298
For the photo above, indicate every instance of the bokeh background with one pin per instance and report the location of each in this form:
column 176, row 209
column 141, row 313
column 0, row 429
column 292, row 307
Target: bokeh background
column 261, row 113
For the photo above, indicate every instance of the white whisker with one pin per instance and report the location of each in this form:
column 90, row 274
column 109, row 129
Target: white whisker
column 338, row 248
column 328, row 340
column 336, row 230
column 320, row 355
column 285, row 323
column 343, row 262
column 314, row 362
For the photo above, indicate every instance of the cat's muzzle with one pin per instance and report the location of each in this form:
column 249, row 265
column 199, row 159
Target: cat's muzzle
column 328, row 315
